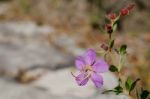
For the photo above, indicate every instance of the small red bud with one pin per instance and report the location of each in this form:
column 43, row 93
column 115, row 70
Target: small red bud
column 112, row 16
column 109, row 28
column 104, row 47
column 130, row 7
column 124, row 12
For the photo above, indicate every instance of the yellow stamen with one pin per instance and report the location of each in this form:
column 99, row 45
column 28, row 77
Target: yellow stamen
column 88, row 68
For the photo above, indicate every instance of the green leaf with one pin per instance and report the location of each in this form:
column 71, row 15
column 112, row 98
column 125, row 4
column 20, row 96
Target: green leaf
column 116, row 21
column 118, row 89
column 107, row 91
column 128, row 83
column 111, row 44
column 133, row 85
column 144, row 94
column 113, row 68
column 115, row 27
column 122, row 49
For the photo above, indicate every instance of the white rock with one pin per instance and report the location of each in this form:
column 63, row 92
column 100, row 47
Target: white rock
column 61, row 83
column 24, row 28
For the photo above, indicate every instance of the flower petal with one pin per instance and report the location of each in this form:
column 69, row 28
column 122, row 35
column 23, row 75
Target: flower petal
column 97, row 80
column 80, row 63
column 82, row 79
column 100, row 66
column 90, row 56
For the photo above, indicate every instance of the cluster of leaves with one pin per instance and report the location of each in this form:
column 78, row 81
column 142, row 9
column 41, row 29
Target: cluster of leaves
column 129, row 84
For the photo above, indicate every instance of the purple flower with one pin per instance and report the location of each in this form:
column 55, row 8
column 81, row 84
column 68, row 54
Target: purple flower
column 90, row 68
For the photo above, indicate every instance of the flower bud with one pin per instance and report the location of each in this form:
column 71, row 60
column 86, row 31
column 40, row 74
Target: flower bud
column 112, row 16
column 124, row 12
column 104, row 47
column 109, row 28
column 130, row 7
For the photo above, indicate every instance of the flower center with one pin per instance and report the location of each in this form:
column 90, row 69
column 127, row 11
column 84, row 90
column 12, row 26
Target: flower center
column 88, row 68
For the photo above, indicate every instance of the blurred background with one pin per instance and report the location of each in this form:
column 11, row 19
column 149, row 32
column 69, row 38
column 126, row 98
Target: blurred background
column 40, row 38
